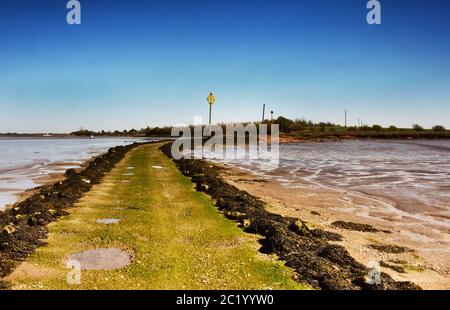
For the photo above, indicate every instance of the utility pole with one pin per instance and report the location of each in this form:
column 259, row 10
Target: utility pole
column 345, row 118
column 271, row 116
column 264, row 111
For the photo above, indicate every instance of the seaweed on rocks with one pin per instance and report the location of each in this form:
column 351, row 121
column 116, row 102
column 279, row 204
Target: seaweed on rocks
column 355, row 226
column 317, row 262
column 23, row 227
column 392, row 249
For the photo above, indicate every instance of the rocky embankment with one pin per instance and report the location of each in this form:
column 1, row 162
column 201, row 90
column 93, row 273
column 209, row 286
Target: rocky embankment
column 318, row 262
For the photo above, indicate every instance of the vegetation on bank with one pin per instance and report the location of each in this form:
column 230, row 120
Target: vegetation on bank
column 298, row 128
column 301, row 128
column 176, row 236
column 144, row 132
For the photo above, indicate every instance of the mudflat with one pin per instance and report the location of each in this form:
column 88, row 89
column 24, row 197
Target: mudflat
column 421, row 261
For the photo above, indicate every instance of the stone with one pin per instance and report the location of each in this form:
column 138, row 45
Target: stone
column 101, row 259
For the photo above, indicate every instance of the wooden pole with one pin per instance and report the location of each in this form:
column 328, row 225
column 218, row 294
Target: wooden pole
column 264, row 111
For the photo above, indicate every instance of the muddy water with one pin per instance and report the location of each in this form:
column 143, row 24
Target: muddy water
column 403, row 181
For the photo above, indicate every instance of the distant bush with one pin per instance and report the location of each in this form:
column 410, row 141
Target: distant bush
column 392, row 128
column 439, row 128
column 365, row 128
column 284, row 124
column 417, row 127
column 83, row 132
column 377, row 128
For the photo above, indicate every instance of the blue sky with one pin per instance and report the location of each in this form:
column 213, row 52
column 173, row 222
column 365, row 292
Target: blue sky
column 151, row 63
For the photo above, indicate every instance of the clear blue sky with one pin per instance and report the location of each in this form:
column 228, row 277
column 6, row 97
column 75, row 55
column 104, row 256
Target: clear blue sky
column 137, row 63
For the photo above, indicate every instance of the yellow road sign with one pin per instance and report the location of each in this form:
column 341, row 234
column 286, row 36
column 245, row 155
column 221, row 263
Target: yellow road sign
column 211, row 99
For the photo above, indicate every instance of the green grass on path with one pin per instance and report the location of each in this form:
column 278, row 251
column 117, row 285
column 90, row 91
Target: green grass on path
column 178, row 238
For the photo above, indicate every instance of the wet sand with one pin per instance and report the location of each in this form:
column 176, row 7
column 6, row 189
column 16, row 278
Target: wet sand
column 29, row 163
column 428, row 264
column 44, row 180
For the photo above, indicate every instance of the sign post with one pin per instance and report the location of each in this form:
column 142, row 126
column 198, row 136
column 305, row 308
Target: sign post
column 211, row 100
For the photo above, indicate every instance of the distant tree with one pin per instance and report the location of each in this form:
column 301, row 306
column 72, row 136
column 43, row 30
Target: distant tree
column 392, row 128
column 417, row 127
column 377, row 128
column 299, row 125
column 439, row 128
column 83, row 132
column 365, row 128
column 284, row 124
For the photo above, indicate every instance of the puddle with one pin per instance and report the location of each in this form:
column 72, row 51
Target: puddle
column 108, row 221
column 100, row 259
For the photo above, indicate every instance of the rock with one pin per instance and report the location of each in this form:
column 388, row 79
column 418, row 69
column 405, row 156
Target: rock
column 4, row 245
column 41, row 222
column 31, row 221
column 234, row 215
column 326, row 235
column 8, row 229
column 391, row 249
column 246, row 224
column 398, row 269
column 355, row 226
column 51, row 211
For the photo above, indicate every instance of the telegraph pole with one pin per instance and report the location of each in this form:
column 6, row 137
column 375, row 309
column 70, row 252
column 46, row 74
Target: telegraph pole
column 271, row 116
column 345, row 118
column 264, row 112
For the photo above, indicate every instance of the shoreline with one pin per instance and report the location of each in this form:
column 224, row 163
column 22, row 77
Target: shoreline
column 342, row 136
column 23, row 227
column 426, row 265
column 30, row 177
column 46, row 181
column 310, row 251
